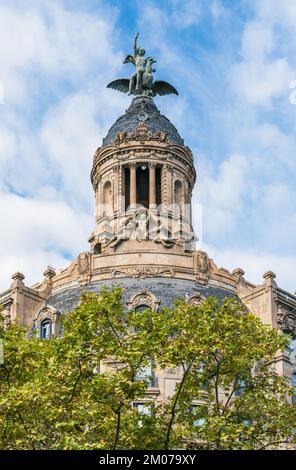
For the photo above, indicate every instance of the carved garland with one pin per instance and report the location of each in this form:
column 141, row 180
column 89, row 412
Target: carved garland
column 144, row 271
column 141, row 133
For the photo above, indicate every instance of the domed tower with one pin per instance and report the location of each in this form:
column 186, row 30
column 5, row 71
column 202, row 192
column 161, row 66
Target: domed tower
column 143, row 241
column 143, row 177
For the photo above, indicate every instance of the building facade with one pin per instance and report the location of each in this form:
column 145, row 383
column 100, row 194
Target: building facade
column 143, row 176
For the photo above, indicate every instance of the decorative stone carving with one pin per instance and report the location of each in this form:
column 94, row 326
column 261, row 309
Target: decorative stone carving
column 84, row 263
column 144, row 271
column 143, row 297
column 142, row 225
column 195, row 299
column 177, row 370
column 134, row 227
column 202, row 267
column 141, row 133
column 121, row 137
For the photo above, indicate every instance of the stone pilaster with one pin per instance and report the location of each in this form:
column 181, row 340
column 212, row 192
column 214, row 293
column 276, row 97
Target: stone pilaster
column 133, row 184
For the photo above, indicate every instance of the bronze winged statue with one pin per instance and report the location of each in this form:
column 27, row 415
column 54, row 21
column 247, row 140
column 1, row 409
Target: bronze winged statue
column 141, row 82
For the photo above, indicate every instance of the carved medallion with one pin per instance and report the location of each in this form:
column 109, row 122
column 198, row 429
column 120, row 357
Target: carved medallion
column 142, row 116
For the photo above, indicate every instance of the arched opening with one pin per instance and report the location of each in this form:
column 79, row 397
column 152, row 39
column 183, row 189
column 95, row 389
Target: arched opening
column 143, row 186
column 46, row 329
column 141, row 308
column 107, row 199
column 97, row 248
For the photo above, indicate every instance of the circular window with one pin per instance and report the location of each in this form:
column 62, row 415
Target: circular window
column 142, row 116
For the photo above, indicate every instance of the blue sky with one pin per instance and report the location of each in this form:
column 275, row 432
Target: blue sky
column 232, row 63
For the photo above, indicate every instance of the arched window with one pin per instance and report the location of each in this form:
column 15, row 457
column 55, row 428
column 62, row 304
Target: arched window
column 45, row 329
column 139, row 309
column 142, row 300
column 97, row 248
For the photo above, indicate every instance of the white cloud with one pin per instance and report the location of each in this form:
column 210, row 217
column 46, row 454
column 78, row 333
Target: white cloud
column 54, row 63
column 221, row 194
column 37, row 233
column 186, row 14
column 266, row 68
column 277, row 12
column 260, row 81
column 255, row 263
column 218, row 10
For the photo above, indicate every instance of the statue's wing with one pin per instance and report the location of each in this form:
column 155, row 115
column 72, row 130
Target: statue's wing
column 163, row 88
column 121, row 84
column 129, row 58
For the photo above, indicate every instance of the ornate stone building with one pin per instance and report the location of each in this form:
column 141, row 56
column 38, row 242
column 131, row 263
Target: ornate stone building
column 143, row 176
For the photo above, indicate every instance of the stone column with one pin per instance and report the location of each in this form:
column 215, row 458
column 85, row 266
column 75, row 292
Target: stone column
column 116, row 192
column 152, row 184
column 133, row 184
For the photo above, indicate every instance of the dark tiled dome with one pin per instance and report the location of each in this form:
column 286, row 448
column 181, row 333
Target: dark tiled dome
column 165, row 290
column 143, row 109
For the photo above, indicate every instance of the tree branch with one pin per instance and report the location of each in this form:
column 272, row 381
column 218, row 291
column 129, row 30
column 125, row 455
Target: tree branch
column 118, row 412
column 75, row 384
column 173, row 412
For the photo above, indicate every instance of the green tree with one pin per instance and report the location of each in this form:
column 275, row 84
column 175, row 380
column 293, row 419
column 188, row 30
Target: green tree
column 78, row 391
